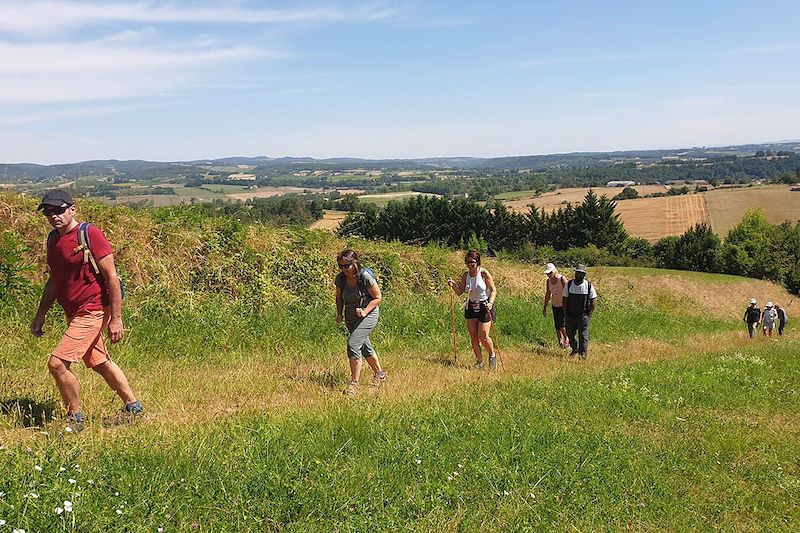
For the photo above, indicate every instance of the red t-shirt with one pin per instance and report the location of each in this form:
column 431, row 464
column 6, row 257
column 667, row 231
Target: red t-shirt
column 77, row 286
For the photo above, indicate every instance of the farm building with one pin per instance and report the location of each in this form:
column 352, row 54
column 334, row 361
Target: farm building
column 620, row 184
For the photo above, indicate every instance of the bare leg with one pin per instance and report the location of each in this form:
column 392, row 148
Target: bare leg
column 374, row 364
column 562, row 337
column 483, row 336
column 355, row 369
column 116, row 379
column 472, row 326
column 67, row 383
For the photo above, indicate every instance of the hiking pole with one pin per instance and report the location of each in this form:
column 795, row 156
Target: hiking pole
column 453, row 322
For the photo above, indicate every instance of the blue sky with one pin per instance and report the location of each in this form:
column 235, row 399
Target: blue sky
column 190, row 79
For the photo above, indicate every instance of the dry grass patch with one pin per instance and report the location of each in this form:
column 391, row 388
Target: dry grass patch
column 727, row 206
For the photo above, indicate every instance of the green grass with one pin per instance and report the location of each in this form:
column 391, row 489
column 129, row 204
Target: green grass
column 515, row 195
column 703, row 443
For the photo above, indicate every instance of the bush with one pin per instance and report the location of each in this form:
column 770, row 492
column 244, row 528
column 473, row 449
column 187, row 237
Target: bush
column 12, row 265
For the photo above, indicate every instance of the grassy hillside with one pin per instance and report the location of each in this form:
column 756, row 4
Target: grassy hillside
column 676, row 421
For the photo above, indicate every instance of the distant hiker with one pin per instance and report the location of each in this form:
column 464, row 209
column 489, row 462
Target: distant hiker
column 84, row 280
column 752, row 316
column 783, row 318
column 479, row 309
column 555, row 292
column 579, row 300
column 768, row 319
column 357, row 299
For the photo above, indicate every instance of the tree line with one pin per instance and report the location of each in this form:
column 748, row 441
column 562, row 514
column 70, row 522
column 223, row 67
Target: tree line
column 590, row 233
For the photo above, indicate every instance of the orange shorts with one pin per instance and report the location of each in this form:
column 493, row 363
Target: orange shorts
column 84, row 339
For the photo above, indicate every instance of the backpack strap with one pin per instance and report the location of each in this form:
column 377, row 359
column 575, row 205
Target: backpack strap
column 83, row 247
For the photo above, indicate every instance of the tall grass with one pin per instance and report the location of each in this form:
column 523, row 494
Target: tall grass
column 708, row 441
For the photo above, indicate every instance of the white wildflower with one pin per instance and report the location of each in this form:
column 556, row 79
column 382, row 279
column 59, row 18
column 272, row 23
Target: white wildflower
column 449, row 478
column 71, row 481
column 160, row 530
column 2, row 494
column 59, row 510
column 61, row 468
column 119, row 511
column 116, row 494
column 31, row 495
column 68, row 429
column 18, row 531
column 90, row 481
column 38, row 468
column 506, row 493
column 2, row 522
column 68, row 506
column 419, row 461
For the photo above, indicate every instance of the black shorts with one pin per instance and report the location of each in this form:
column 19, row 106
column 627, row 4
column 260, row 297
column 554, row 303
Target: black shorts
column 480, row 311
column 558, row 317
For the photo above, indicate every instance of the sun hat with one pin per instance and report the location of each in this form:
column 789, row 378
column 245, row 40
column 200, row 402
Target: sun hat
column 769, row 304
column 550, row 267
column 580, row 268
column 753, row 300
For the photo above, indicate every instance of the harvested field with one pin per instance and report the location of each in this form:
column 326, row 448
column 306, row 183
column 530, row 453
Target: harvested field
column 330, row 220
column 382, row 199
column 550, row 201
column 728, row 206
column 654, row 218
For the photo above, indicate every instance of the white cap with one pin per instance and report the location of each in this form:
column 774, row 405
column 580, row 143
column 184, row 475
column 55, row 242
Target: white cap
column 752, row 300
column 549, row 268
column 769, row 304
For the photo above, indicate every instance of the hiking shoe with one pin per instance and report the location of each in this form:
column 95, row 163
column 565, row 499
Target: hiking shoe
column 351, row 389
column 479, row 365
column 378, row 378
column 127, row 415
column 493, row 362
column 74, row 423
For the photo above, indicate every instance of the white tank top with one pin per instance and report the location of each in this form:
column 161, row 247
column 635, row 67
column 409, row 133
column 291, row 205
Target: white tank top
column 477, row 287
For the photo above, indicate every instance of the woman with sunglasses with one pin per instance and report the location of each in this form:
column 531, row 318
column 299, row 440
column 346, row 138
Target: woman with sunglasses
column 357, row 300
column 479, row 310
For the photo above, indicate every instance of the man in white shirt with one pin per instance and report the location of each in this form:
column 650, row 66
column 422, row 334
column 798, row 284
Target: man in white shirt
column 579, row 300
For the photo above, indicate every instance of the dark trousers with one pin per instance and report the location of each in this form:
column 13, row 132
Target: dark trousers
column 780, row 328
column 578, row 325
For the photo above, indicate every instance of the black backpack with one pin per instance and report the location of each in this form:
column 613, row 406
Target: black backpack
column 753, row 315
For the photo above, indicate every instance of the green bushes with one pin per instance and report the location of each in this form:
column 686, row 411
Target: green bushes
column 13, row 264
column 753, row 248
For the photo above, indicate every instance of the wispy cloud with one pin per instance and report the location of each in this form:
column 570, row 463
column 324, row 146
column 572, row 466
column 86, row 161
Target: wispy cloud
column 37, row 17
column 607, row 58
column 110, row 69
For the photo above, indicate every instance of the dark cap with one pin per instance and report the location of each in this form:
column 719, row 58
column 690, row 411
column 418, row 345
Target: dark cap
column 56, row 198
column 580, row 268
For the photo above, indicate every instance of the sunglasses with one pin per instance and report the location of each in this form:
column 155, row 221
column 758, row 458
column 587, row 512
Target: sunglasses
column 344, row 266
column 471, row 262
column 50, row 211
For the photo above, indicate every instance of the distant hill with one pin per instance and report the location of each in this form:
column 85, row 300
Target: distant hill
column 16, row 172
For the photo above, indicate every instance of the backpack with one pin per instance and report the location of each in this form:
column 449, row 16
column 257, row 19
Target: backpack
column 753, row 315
column 361, row 284
column 88, row 257
column 588, row 292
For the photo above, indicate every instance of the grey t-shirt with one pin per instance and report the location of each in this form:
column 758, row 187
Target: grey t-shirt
column 353, row 296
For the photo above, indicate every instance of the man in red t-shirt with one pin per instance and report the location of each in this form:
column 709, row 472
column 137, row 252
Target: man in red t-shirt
column 92, row 301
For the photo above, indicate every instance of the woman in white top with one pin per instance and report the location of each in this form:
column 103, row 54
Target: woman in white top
column 479, row 310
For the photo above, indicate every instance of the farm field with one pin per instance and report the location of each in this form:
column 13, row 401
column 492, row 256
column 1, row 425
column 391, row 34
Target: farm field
column 675, row 421
column 654, row 218
column 728, row 206
column 330, row 220
column 382, row 199
column 552, row 200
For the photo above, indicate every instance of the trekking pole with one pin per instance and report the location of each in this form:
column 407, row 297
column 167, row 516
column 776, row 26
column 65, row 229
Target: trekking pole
column 453, row 322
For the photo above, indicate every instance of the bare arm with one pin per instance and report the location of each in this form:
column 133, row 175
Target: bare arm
column 460, row 286
column 46, row 302
column 491, row 286
column 591, row 307
column 375, row 292
column 116, row 330
column 546, row 298
column 339, row 304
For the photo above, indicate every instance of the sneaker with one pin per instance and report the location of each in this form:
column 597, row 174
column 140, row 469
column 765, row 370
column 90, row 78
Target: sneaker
column 127, row 415
column 352, row 389
column 493, row 362
column 75, row 423
column 378, row 379
column 479, row 365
